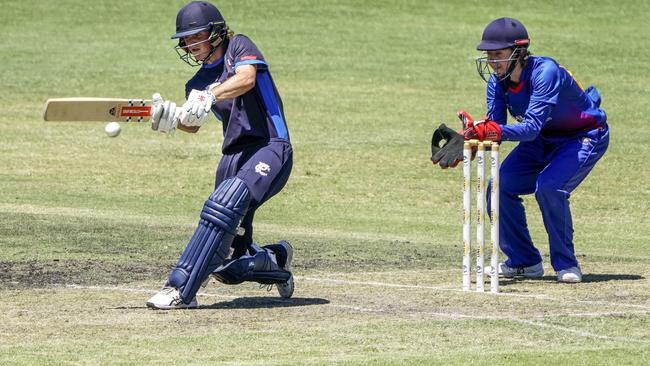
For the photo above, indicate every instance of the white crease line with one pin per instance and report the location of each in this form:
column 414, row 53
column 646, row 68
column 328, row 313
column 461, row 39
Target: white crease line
column 445, row 288
column 456, row 316
column 599, row 302
column 459, row 316
column 435, row 288
column 578, row 332
column 451, row 315
column 539, row 323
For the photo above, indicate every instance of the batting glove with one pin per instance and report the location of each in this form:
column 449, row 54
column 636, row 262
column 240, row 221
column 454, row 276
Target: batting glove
column 197, row 108
column 163, row 114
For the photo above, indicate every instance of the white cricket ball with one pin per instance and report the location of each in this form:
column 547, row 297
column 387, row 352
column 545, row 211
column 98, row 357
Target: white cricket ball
column 112, row 129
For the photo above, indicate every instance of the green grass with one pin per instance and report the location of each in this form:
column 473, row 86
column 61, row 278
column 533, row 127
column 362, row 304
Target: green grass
column 90, row 225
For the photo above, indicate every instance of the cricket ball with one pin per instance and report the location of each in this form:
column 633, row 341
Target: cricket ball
column 112, row 129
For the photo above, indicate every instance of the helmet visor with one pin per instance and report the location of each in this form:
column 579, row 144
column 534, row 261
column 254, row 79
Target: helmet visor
column 487, row 67
column 214, row 39
column 183, row 51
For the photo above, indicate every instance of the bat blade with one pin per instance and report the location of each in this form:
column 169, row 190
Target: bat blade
column 97, row 109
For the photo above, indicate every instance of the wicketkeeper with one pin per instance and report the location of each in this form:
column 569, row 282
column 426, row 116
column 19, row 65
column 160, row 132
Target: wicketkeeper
column 233, row 82
column 562, row 133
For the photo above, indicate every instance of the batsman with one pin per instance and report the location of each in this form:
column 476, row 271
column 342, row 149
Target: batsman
column 234, row 83
column 561, row 134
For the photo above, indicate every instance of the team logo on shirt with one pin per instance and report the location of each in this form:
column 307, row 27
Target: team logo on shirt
column 262, row 169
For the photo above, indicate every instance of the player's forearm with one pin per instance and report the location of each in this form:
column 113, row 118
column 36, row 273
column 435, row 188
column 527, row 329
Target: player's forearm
column 528, row 130
column 235, row 86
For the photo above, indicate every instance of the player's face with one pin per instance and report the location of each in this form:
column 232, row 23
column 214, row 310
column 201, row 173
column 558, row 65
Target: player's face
column 198, row 45
column 499, row 60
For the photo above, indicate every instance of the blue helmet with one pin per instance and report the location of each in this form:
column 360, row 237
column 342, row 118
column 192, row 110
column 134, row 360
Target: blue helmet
column 503, row 33
column 196, row 17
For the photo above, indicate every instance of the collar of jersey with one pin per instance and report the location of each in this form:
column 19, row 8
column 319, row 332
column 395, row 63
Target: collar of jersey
column 525, row 75
column 215, row 64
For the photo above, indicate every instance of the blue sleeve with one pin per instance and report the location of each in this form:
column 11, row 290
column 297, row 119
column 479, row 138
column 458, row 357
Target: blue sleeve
column 545, row 90
column 529, row 128
column 247, row 53
column 496, row 104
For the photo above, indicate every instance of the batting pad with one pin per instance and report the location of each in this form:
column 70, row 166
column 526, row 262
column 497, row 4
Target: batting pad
column 210, row 245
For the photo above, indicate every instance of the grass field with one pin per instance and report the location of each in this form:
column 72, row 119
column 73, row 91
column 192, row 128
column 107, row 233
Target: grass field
column 90, row 226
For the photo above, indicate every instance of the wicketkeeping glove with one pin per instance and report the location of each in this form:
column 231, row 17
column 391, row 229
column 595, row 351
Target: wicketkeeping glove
column 483, row 129
column 197, row 108
column 451, row 153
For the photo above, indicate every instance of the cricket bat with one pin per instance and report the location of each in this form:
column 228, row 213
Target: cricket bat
column 97, row 109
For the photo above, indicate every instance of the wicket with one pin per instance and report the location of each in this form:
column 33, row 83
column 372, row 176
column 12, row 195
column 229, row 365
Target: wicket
column 480, row 213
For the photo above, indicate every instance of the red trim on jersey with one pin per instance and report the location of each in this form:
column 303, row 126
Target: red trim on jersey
column 245, row 58
column 517, row 88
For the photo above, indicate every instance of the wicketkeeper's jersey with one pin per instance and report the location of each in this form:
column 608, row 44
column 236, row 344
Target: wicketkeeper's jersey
column 547, row 101
column 256, row 116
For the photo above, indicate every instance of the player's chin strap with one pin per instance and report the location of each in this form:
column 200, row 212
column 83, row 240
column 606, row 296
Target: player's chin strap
column 215, row 46
column 520, row 56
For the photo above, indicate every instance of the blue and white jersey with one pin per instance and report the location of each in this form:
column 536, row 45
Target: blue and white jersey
column 547, row 101
column 250, row 119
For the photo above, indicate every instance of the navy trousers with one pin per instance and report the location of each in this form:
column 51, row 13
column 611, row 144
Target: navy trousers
column 551, row 168
column 265, row 169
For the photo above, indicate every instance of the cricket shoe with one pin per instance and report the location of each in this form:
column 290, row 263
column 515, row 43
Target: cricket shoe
column 169, row 298
column 570, row 275
column 534, row 271
column 286, row 289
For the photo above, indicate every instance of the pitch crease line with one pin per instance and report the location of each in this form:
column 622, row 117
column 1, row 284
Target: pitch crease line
column 539, row 324
column 444, row 288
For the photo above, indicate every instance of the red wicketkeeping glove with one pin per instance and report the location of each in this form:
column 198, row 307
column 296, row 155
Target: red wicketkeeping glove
column 465, row 119
column 483, row 129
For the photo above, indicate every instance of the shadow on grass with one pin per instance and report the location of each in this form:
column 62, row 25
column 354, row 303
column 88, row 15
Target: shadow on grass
column 605, row 277
column 586, row 278
column 245, row 303
column 264, row 302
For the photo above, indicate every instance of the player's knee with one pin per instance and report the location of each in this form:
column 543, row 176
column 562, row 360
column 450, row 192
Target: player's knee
column 227, row 205
column 548, row 188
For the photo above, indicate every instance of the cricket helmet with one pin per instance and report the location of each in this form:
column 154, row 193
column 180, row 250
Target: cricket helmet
column 503, row 33
column 196, row 17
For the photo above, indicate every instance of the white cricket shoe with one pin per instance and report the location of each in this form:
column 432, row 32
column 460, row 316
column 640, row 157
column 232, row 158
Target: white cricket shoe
column 534, row 271
column 286, row 289
column 169, row 298
column 570, row 275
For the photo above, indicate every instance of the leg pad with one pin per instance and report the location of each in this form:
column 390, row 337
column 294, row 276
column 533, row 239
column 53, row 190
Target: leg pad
column 210, row 245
